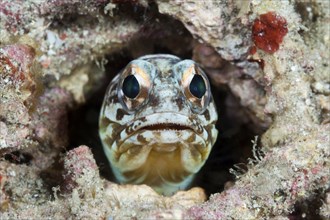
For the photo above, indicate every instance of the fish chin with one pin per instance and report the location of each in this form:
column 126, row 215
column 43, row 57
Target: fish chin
column 157, row 157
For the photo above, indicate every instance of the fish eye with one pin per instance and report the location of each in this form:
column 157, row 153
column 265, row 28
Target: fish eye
column 131, row 87
column 134, row 84
column 194, row 84
column 197, row 86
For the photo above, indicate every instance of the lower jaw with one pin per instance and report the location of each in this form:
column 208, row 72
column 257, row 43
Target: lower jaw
column 163, row 172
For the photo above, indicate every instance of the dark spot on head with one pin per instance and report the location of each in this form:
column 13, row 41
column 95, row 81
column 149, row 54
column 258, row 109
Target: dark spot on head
column 120, row 114
column 117, row 142
column 153, row 100
column 208, row 129
column 108, row 141
column 141, row 139
column 116, row 130
column 128, row 129
column 144, row 119
column 104, row 122
column 207, row 114
column 200, row 129
column 113, row 99
column 180, row 101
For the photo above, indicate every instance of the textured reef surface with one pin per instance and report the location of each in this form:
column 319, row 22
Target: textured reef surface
column 268, row 63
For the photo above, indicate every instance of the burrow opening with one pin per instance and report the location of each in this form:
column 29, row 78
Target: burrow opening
column 166, row 35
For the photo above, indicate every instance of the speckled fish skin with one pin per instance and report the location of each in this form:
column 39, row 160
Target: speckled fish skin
column 164, row 135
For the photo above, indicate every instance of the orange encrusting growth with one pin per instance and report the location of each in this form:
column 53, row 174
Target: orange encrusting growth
column 268, row 31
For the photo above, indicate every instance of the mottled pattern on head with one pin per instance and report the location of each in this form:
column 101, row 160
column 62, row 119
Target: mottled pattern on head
column 160, row 128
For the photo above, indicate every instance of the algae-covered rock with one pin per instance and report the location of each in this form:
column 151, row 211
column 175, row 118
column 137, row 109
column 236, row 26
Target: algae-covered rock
column 270, row 59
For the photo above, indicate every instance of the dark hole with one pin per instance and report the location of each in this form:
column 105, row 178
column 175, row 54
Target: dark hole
column 18, row 157
column 83, row 121
column 309, row 209
column 233, row 144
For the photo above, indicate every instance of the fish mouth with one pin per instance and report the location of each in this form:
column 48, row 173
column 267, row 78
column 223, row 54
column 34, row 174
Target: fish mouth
column 166, row 126
column 176, row 127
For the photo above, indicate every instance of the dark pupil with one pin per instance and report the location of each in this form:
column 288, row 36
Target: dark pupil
column 131, row 87
column 197, row 86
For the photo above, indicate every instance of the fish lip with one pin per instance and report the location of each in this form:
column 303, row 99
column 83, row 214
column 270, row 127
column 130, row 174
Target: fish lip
column 166, row 126
column 162, row 118
column 165, row 121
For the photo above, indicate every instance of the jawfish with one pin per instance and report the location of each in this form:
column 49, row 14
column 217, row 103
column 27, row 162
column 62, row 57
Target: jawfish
column 157, row 122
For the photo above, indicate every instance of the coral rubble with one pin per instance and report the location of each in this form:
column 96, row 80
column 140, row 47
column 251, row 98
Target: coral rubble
column 53, row 59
